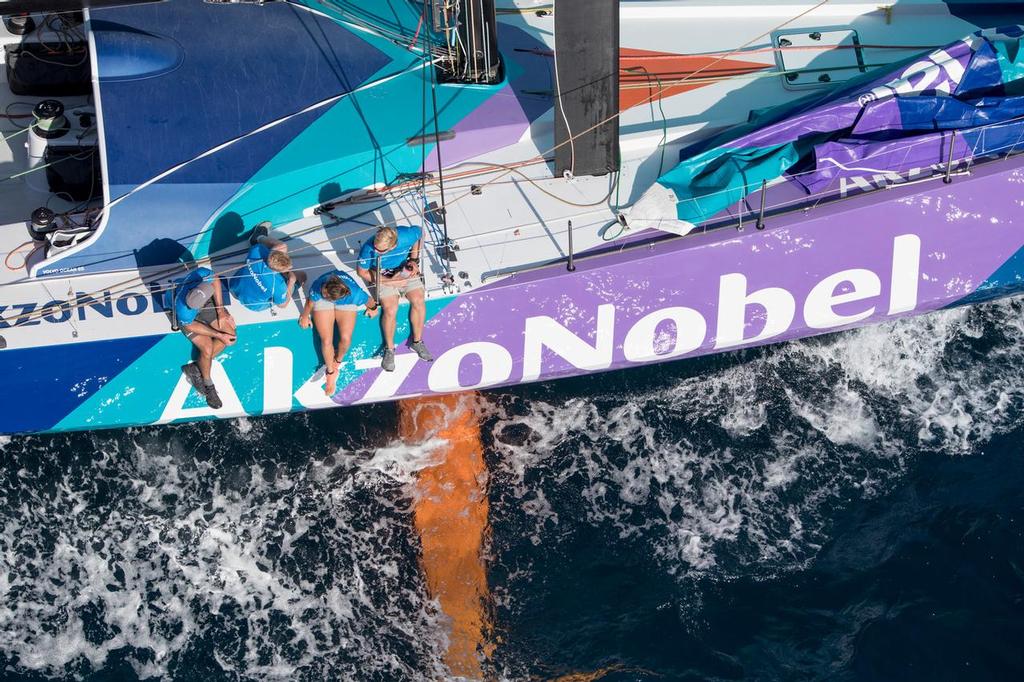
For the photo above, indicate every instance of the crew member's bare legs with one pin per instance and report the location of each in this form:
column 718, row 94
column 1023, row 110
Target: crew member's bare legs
column 323, row 321
column 417, row 313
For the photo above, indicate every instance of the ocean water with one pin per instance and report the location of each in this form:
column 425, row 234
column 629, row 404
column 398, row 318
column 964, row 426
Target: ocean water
column 848, row 507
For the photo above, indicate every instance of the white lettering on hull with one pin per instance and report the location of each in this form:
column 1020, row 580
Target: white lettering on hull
column 545, row 332
column 819, row 307
column 661, row 334
column 906, row 273
column 386, row 384
column 643, row 344
column 733, row 301
column 175, row 408
column 495, row 367
column 277, row 380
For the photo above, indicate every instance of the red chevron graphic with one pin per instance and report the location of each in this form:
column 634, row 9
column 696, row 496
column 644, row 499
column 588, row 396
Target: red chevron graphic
column 641, row 70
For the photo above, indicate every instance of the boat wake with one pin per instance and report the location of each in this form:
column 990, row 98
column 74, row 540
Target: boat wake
column 285, row 548
column 735, row 466
column 202, row 552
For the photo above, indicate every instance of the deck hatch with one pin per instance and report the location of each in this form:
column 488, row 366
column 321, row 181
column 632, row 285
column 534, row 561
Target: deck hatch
column 818, row 57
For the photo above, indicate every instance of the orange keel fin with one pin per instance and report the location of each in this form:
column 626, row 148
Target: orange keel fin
column 451, row 516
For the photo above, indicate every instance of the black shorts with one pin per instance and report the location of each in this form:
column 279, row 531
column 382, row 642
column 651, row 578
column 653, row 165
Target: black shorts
column 208, row 315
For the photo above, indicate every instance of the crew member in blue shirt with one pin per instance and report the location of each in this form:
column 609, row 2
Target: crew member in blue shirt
column 267, row 277
column 394, row 255
column 203, row 319
column 334, row 299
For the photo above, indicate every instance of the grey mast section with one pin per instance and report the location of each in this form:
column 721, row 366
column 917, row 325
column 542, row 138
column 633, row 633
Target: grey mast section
column 587, row 81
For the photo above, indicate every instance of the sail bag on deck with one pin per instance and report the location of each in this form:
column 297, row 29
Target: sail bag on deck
column 966, row 98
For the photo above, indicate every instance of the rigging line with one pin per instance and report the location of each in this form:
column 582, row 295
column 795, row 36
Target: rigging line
column 423, row 130
column 804, row 13
column 36, row 169
column 354, row 23
column 641, row 85
column 561, row 108
column 443, row 213
column 757, row 50
column 121, row 287
column 354, row 10
column 661, row 107
column 266, row 126
column 534, row 181
column 19, row 131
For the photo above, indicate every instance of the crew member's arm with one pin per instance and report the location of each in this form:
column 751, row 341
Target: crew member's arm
column 372, row 308
column 203, row 329
column 289, row 290
column 414, row 257
column 307, row 310
column 364, row 274
column 223, row 316
column 273, row 244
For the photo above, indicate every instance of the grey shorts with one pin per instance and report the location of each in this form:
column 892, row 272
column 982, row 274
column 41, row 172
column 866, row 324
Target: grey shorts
column 400, row 287
column 208, row 315
column 324, row 304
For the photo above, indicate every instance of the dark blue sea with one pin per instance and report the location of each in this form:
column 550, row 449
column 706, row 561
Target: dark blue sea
column 849, row 507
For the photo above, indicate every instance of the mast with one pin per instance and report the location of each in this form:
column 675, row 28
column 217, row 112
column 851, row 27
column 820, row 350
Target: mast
column 469, row 28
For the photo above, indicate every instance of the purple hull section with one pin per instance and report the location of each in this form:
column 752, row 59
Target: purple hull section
column 906, row 250
column 862, row 261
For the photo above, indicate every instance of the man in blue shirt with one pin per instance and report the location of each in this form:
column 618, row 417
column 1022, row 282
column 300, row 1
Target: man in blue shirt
column 267, row 277
column 203, row 319
column 334, row 299
column 391, row 262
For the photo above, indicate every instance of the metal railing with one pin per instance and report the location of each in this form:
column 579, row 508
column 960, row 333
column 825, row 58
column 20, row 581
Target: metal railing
column 830, row 195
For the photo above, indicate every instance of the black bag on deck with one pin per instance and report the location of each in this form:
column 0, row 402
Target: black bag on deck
column 35, row 71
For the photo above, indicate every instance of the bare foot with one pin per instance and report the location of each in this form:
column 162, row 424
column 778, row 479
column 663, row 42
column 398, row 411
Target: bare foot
column 332, row 383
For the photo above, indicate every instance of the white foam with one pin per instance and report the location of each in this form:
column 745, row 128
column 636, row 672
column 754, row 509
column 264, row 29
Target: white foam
column 312, row 564
column 810, row 425
column 305, row 567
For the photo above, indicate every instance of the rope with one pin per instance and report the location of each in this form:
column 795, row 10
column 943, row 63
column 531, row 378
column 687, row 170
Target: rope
column 508, row 169
column 125, row 285
column 707, row 66
column 25, row 259
column 561, row 109
column 260, row 129
column 437, row 150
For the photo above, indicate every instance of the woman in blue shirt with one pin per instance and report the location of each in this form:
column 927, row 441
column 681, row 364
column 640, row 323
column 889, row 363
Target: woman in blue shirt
column 203, row 319
column 267, row 277
column 334, row 298
column 391, row 262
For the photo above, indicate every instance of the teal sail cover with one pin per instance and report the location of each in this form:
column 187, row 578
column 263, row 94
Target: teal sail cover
column 886, row 122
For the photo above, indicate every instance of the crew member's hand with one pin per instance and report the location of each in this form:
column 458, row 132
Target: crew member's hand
column 414, row 269
column 372, row 312
column 228, row 339
column 225, row 319
column 304, row 321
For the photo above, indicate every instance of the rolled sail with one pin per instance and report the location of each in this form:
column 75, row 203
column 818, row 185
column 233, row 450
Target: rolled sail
column 936, row 110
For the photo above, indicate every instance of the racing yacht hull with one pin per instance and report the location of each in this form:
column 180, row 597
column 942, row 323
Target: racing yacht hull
column 88, row 341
